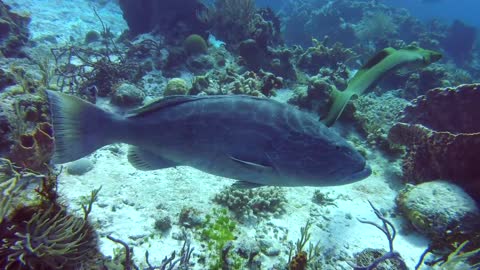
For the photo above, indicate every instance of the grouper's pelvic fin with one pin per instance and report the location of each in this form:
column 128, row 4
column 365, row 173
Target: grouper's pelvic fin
column 79, row 127
column 145, row 160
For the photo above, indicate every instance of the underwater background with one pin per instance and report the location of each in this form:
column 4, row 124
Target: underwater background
column 398, row 80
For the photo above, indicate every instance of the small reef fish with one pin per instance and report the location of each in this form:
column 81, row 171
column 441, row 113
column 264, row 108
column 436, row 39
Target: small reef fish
column 383, row 62
column 257, row 141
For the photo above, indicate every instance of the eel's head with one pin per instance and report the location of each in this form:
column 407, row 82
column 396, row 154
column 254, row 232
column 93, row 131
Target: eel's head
column 429, row 56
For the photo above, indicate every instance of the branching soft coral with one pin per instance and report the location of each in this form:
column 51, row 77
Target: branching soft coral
column 46, row 239
column 43, row 235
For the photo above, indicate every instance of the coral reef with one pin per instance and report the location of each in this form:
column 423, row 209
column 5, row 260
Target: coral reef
column 280, row 60
column 304, row 258
column 127, row 95
column 45, row 239
column 42, row 234
column 420, row 82
column 219, row 232
column 228, row 81
column 376, row 115
column 437, row 207
column 195, row 44
column 89, row 71
column 190, row 217
column 14, row 31
column 315, row 94
column 391, row 255
column 34, row 150
column 376, row 25
column 320, row 55
column 27, row 137
column 369, row 255
column 234, row 21
column 176, row 86
column 251, row 32
column 170, row 16
column 459, row 259
column 252, row 203
column 167, row 42
column 322, row 198
column 6, row 79
column 163, row 222
column 460, row 51
column 318, row 19
column 446, row 214
column 442, row 137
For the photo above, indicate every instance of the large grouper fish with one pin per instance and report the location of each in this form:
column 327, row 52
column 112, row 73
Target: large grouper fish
column 257, row 141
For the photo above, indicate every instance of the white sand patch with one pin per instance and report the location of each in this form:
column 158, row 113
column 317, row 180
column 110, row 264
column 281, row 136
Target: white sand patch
column 130, row 199
column 61, row 20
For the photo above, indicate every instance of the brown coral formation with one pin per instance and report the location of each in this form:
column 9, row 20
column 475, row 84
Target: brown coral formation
column 442, row 134
column 34, row 150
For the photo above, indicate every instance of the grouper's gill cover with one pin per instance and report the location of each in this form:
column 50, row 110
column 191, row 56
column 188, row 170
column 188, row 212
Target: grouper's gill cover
column 254, row 140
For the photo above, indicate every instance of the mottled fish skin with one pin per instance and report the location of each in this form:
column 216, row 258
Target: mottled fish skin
column 250, row 139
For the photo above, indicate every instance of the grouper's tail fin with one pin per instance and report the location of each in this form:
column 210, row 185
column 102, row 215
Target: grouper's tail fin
column 340, row 101
column 79, row 127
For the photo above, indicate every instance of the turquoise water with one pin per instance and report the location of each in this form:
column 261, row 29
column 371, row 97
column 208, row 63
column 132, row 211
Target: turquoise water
column 449, row 10
column 239, row 134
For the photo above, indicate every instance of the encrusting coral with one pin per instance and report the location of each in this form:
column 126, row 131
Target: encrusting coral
column 320, row 55
column 249, row 203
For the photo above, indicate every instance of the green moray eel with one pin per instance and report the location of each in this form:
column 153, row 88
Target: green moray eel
column 385, row 61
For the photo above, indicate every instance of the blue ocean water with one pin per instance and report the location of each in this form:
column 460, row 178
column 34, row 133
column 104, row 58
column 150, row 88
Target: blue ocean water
column 204, row 137
column 449, row 10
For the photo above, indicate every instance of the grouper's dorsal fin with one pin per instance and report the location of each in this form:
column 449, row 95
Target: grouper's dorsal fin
column 163, row 103
column 377, row 58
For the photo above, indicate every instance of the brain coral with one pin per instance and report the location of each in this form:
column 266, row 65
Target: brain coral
column 195, row 44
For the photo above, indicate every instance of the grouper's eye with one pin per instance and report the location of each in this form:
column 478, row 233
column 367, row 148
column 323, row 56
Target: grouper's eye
column 337, row 147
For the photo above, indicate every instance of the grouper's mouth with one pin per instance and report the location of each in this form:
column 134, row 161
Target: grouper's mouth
column 365, row 172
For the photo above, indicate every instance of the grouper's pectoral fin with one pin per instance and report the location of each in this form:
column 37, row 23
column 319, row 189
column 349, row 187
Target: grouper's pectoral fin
column 257, row 169
column 260, row 168
column 146, row 160
column 245, row 185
